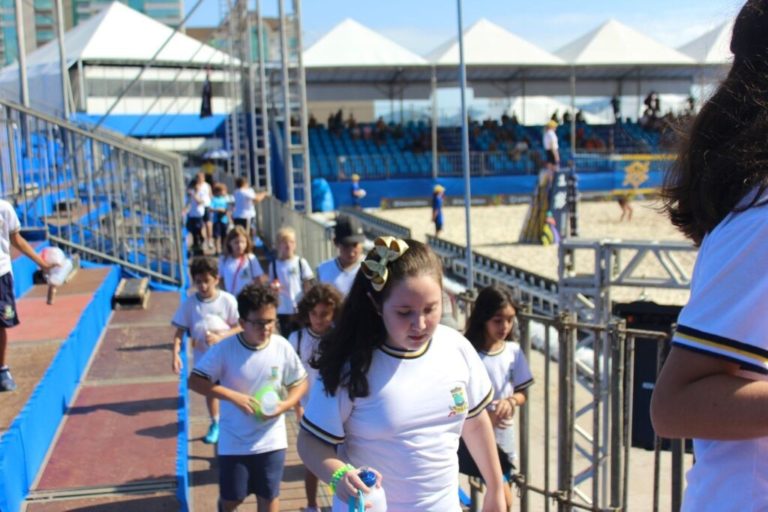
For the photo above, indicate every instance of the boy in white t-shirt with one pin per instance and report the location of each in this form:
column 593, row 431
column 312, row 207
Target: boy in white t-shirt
column 251, row 450
column 291, row 275
column 341, row 271
column 10, row 235
column 208, row 316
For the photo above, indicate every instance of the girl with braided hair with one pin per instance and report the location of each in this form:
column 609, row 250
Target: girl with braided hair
column 396, row 390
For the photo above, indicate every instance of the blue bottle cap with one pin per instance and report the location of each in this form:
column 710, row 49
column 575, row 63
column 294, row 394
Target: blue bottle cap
column 368, row 478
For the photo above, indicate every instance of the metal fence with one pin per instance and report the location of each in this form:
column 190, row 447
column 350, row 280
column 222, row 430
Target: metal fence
column 101, row 195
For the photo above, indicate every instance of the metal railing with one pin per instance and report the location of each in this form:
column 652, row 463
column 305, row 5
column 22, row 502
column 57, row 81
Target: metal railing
column 376, row 226
column 103, row 196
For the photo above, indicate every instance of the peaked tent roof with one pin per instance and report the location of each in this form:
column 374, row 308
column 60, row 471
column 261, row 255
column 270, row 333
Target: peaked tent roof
column 713, row 47
column 614, row 43
column 120, row 34
column 487, row 43
column 351, row 44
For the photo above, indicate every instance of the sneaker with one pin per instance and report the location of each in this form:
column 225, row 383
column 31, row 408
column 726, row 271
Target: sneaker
column 6, row 380
column 212, row 437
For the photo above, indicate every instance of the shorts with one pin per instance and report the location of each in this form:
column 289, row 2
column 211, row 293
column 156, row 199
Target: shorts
column 551, row 157
column 439, row 222
column 220, row 229
column 207, row 214
column 194, row 224
column 241, row 222
column 468, row 467
column 9, row 317
column 258, row 473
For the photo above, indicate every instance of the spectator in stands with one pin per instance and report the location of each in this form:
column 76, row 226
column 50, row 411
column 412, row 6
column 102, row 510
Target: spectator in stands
column 208, row 316
column 396, row 390
column 712, row 387
column 10, row 236
column 491, row 328
column 244, row 210
column 555, row 116
column 616, row 106
column 318, row 311
column 580, row 117
column 567, row 117
column 239, row 370
column 291, row 275
column 340, row 271
column 438, row 196
column 357, row 192
column 312, row 123
column 551, row 147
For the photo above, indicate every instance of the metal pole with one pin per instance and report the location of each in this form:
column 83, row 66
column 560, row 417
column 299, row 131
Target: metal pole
column 287, row 160
column 263, row 97
column 465, row 149
column 23, row 84
column 303, row 117
column 435, row 164
column 62, row 59
column 573, row 111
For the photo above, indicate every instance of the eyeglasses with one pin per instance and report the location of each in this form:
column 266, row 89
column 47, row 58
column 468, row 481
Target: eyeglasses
column 261, row 323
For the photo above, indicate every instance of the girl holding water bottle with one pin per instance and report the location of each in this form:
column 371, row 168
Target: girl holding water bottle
column 396, row 391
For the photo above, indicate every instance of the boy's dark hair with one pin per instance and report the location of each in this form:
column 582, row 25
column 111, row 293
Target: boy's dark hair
column 488, row 302
column 203, row 265
column 344, row 355
column 321, row 293
column 255, row 296
column 722, row 156
column 239, row 181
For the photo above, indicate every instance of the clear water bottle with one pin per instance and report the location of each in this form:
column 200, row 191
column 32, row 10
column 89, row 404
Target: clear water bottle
column 375, row 496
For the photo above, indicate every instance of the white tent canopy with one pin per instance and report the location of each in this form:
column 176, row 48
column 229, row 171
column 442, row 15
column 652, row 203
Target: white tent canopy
column 614, row 43
column 713, row 47
column 488, row 43
column 351, row 44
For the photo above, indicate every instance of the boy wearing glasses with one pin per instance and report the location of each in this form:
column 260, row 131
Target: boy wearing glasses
column 251, row 449
column 208, row 316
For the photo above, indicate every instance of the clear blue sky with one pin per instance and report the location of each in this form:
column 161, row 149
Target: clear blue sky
column 421, row 25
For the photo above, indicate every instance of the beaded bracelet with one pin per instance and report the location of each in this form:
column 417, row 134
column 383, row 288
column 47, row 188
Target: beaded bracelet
column 338, row 475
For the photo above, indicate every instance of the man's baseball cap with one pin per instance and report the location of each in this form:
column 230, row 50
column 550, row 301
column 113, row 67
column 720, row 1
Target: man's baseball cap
column 348, row 231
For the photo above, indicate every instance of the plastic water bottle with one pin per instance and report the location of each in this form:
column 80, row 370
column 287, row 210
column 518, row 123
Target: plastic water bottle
column 268, row 400
column 376, row 496
column 55, row 256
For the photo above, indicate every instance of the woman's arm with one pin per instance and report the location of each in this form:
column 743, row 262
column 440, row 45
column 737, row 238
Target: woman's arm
column 480, row 440
column 700, row 396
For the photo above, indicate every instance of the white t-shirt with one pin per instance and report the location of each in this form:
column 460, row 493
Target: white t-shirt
column 244, row 208
column 237, row 272
column 291, row 285
column 509, row 373
column 197, row 202
column 241, row 367
column 550, row 140
column 9, row 223
column 726, row 318
column 408, row 427
column 193, row 311
column 305, row 342
column 331, row 272
column 205, row 193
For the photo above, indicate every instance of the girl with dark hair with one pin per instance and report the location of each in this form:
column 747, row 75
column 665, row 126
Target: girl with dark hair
column 491, row 330
column 713, row 386
column 317, row 311
column 397, row 390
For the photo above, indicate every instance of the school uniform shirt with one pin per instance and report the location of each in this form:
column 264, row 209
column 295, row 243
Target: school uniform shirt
column 220, row 203
column 244, row 207
column 291, row 286
column 9, row 223
column 305, row 342
column 726, row 318
column 332, row 272
column 408, row 427
column 197, row 207
column 509, row 373
column 237, row 272
column 192, row 312
column 242, row 367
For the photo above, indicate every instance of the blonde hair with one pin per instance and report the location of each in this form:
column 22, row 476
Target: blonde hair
column 286, row 232
column 234, row 233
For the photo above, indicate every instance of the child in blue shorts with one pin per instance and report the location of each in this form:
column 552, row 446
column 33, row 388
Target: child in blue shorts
column 252, row 443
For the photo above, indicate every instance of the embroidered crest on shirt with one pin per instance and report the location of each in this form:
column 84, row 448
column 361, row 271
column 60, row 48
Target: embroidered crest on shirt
column 275, row 373
column 459, row 404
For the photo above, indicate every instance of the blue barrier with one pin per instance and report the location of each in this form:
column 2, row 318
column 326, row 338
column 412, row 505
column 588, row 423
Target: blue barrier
column 182, row 443
column 24, row 446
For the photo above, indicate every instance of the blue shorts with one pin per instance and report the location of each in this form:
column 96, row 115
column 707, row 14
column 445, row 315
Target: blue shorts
column 258, row 473
column 9, row 317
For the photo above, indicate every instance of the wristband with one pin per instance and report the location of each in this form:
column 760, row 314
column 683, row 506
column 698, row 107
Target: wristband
column 338, row 475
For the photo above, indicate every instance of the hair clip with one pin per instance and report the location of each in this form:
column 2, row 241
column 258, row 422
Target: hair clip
column 388, row 248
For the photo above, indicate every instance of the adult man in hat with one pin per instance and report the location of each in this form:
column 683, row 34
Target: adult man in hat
column 341, row 270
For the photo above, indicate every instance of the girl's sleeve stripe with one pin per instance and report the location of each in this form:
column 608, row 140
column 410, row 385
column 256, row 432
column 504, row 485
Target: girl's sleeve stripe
column 297, row 381
column 482, row 405
column 525, row 385
column 204, row 375
column 320, row 433
column 748, row 356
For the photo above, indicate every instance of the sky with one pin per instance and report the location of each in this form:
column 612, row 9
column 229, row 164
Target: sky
column 422, row 25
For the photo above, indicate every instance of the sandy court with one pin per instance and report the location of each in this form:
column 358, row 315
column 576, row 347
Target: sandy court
column 495, row 230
